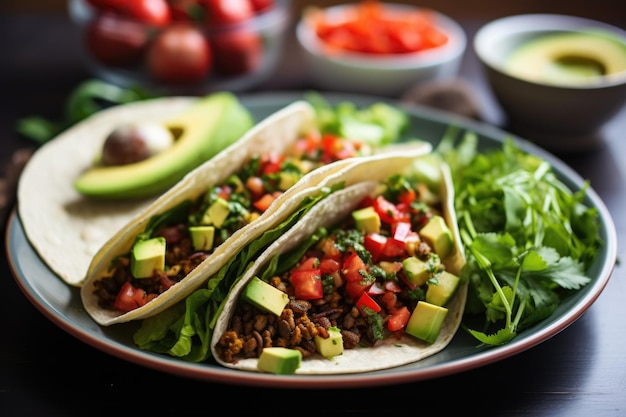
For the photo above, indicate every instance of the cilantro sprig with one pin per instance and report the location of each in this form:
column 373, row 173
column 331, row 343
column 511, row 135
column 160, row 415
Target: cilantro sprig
column 529, row 239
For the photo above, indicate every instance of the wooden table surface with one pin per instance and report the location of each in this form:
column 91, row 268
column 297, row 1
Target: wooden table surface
column 46, row 372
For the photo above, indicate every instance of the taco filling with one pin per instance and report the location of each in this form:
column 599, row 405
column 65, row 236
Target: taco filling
column 187, row 234
column 378, row 274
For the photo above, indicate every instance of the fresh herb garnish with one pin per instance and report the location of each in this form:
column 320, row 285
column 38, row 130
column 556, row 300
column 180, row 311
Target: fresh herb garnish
column 528, row 238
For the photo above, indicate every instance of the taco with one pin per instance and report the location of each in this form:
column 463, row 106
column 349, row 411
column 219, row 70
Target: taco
column 350, row 286
column 66, row 228
column 217, row 210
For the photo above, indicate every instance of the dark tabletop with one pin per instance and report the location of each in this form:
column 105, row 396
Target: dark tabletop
column 44, row 371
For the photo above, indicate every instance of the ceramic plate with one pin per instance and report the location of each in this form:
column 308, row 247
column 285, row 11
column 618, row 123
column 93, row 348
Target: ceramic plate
column 62, row 305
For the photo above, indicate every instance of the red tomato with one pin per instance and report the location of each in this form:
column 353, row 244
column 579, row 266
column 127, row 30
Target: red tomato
column 398, row 319
column 265, row 201
column 375, row 244
column 106, row 5
column 237, row 52
column 150, row 12
column 354, row 268
column 329, row 266
column 179, row 54
column 366, row 301
column 129, row 298
column 262, row 5
column 356, row 288
column 115, row 41
column 307, row 284
column 389, row 212
column 308, row 264
column 224, row 12
column 185, row 10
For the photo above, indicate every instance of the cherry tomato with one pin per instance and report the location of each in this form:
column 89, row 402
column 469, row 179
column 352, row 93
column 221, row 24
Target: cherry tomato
column 149, row 12
column 179, row 54
column 224, row 12
column 262, row 5
column 115, row 41
column 237, row 52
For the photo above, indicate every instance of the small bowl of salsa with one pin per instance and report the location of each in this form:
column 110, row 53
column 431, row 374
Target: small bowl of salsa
column 378, row 48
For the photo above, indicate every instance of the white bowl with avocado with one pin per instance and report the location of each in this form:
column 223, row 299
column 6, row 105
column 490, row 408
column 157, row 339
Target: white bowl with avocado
column 559, row 79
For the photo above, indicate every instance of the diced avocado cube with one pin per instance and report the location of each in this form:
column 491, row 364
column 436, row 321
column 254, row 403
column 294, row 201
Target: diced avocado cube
column 202, row 237
column 264, row 296
column 330, row 346
column 438, row 235
column 426, row 321
column 416, row 270
column 279, row 360
column 287, row 180
column 443, row 291
column 147, row 256
column 216, row 213
column 367, row 220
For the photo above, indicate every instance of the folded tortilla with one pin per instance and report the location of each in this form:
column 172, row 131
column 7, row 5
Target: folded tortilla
column 273, row 134
column 389, row 352
column 65, row 228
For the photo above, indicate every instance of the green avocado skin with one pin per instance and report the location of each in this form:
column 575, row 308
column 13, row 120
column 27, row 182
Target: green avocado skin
column 208, row 126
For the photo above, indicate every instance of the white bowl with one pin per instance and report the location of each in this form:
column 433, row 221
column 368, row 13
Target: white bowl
column 565, row 117
column 384, row 75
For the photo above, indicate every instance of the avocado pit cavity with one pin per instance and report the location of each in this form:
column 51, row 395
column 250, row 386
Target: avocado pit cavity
column 131, row 143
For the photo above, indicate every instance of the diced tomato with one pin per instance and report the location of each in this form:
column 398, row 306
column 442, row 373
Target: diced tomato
column 308, row 264
column 271, row 164
column 354, row 268
column 376, row 289
column 255, row 186
column 329, row 266
column 392, row 286
column 398, row 319
column 356, row 288
column 366, row 301
column 401, row 231
column 307, row 284
column 375, row 244
column 328, row 248
column 394, row 248
column 388, row 211
column 129, row 298
column 265, row 201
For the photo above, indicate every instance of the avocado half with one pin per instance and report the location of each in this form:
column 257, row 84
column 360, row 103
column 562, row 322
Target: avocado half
column 575, row 58
column 211, row 124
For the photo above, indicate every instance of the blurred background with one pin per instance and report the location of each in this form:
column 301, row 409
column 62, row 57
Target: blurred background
column 608, row 10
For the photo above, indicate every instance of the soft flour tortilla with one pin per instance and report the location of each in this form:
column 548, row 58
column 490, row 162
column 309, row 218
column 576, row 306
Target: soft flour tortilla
column 64, row 227
column 275, row 133
column 389, row 353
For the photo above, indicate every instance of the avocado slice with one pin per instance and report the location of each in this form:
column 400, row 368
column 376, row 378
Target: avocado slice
column 264, row 296
column 440, row 293
column 426, row 321
column 279, row 360
column 203, row 130
column 332, row 345
column 147, row 256
column 438, row 235
column 416, row 270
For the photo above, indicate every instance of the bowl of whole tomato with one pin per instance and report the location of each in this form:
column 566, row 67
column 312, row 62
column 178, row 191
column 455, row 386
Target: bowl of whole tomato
column 182, row 46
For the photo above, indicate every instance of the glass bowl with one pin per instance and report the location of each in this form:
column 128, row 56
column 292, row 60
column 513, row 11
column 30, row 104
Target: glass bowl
column 180, row 51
